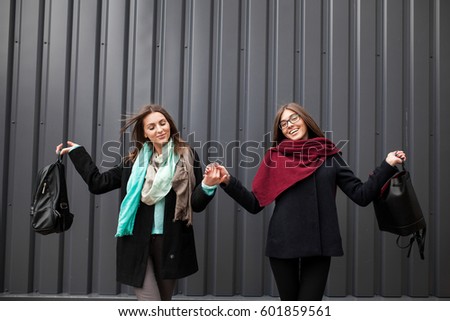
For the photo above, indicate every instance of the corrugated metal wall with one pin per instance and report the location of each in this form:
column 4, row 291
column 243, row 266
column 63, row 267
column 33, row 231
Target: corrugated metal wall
column 373, row 72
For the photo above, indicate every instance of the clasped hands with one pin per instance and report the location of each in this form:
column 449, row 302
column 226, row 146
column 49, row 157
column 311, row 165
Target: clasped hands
column 215, row 174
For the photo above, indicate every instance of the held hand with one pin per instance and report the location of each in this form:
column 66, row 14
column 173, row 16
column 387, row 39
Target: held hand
column 211, row 176
column 225, row 176
column 60, row 149
column 396, row 157
column 215, row 174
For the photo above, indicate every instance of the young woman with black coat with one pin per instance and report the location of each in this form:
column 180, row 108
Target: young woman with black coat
column 162, row 184
column 301, row 173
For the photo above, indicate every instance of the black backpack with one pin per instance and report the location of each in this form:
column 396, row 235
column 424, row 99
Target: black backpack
column 50, row 206
column 398, row 211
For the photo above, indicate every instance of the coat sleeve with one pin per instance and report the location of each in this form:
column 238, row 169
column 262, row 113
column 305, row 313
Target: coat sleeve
column 98, row 183
column 199, row 199
column 242, row 195
column 363, row 193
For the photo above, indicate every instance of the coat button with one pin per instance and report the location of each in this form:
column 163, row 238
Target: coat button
column 171, row 256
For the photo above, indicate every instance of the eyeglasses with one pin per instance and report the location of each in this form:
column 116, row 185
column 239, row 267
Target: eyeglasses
column 292, row 119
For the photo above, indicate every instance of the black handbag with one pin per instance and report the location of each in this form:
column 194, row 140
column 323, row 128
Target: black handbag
column 398, row 211
column 49, row 210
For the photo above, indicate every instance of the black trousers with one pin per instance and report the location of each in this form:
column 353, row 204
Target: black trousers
column 301, row 279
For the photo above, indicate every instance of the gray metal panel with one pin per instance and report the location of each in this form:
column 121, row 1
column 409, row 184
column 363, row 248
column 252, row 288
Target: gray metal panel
column 222, row 68
column 171, row 56
column 82, row 117
column 252, row 264
column 362, row 149
column 6, row 39
column 141, row 44
column 311, row 57
column 111, row 99
column 284, row 49
column 441, row 99
column 224, row 126
column 390, row 119
column 335, row 111
column 54, row 97
column 362, row 141
column 417, row 125
column 25, row 111
column 196, row 119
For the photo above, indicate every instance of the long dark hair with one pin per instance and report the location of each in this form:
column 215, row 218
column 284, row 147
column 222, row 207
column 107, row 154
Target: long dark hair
column 137, row 133
column 313, row 129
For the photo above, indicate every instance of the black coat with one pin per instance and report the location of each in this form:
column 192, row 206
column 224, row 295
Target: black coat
column 179, row 256
column 304, row 221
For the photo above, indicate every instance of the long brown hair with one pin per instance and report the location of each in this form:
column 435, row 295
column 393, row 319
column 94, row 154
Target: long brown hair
column 313, row 129
column 137, row 133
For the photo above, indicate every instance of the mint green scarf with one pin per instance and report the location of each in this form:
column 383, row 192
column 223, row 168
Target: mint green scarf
column 161, row 185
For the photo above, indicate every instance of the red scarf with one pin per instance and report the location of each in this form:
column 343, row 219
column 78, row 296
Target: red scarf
column 286, row 164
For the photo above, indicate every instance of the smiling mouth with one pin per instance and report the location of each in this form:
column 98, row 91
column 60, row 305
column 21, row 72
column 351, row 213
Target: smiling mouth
column 294, row 131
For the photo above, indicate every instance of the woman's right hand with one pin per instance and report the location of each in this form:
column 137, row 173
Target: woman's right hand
column 60, row 149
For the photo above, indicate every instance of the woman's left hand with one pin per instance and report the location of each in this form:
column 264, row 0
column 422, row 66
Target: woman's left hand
column 212, row 175
column 396, row 157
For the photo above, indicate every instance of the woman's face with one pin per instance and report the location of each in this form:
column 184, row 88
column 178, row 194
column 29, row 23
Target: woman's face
column 157, row 130
column 293, row 126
